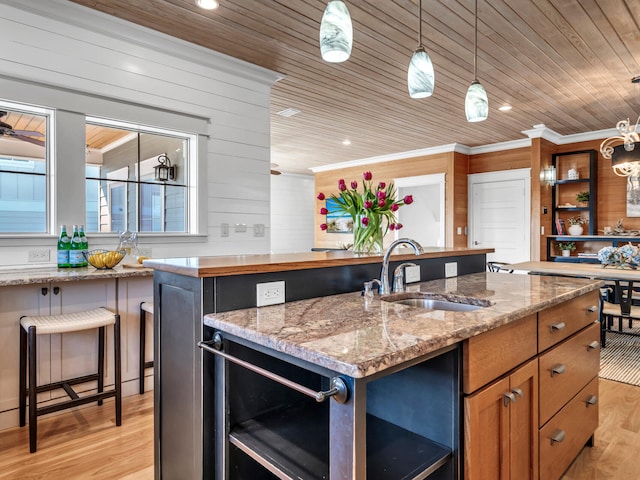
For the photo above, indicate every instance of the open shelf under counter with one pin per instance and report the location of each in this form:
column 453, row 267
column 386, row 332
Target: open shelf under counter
column 588, row 245
column 284, row 443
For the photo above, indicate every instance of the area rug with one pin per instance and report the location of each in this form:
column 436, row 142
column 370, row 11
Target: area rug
column 620, row 359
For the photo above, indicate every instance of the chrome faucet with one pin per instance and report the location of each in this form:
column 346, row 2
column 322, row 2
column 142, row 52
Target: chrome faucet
column 384, row 275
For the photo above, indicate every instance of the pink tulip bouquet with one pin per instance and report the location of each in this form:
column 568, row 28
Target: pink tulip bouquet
column 372, row 211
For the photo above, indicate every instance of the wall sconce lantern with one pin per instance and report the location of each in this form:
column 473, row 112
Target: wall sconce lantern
column 164, row 170
column 548, row 176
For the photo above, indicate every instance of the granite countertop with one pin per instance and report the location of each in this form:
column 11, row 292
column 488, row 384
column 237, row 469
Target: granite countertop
column 359, row 337
column 29, row 276
column 250, row 264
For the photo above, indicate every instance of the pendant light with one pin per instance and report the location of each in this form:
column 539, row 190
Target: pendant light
column 476, row 104
column 420, row 76
column 336, row 32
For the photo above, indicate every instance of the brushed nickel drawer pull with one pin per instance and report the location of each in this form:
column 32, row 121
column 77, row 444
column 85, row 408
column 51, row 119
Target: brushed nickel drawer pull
column 592, row 400
column 592, row 309
column 558, row 436
column 557, row 326
column 558, row 369
column 339, row 389
column 509, row 397
column 593, row 345
column 517, row 392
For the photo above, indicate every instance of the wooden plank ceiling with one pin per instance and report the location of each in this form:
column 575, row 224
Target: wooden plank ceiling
column 567, row 64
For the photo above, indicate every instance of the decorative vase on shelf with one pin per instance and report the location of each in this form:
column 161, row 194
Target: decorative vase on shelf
column 575, row 230
column 367, row 238
column 566, row 253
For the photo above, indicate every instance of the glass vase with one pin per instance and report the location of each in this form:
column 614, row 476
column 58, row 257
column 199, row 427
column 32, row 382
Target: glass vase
column 367, row 239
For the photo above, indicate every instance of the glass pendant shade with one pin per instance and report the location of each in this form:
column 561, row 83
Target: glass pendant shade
column 476, row 103
column 420, row 77
column 336, row 32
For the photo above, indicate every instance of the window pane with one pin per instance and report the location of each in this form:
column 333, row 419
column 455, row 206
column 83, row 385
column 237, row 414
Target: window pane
column 143, row 203
column 23, row 170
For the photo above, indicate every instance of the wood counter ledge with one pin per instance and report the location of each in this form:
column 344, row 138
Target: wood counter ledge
column 357, row 338
column 250, row 264
column 31, row 276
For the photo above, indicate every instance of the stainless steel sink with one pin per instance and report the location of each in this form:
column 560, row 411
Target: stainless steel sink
column 427, row 301
column 431, row 304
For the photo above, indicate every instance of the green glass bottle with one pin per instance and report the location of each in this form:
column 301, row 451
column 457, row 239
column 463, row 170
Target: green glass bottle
column 64, row 245
column 76, row 259
column 85, row 246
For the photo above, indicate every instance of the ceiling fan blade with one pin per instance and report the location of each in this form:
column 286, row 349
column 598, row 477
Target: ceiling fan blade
column 31, row 133
column 29, row 140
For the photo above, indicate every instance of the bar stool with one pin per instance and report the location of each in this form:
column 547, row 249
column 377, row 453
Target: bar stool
column 622, row 310
column 30, row 328
column 145, row 307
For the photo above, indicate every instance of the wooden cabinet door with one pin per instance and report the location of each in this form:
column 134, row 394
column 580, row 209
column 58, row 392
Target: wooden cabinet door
column 16, row 301
column 486, row 435
column 76, row 353
column 523, row 421
column 131, row 292
column 501, row 435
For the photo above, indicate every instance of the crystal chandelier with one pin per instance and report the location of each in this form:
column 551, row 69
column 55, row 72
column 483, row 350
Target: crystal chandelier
column 625, row 157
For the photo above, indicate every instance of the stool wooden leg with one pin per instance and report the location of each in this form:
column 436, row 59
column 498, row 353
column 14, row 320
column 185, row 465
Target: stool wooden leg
column 100, row 361
column 118, row 371
column 23, row 377
column 33, row 394
column 143, row 331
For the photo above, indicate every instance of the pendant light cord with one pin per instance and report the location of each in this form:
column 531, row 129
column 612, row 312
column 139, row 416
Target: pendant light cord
column 420, row 24
column 475, row 44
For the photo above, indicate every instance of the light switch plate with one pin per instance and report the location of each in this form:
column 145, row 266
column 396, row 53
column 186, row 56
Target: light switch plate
column 451, row 269
column 224, row 229
column 258, row 230
column 412, row 274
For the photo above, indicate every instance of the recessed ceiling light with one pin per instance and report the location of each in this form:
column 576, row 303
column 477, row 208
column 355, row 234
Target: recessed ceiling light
column 288, row 112
column 505, row 108
column 346, row 142
column 208, row 4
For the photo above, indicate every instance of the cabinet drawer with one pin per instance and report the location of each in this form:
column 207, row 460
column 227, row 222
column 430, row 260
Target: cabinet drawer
column 576, row 421
column 560, row 322
column 565, row 369
column 489, row 355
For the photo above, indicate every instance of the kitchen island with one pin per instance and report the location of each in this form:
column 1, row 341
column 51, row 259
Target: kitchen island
column 400, row 373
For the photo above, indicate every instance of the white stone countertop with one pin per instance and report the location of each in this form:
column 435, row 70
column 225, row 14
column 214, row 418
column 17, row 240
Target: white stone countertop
column 357, row 337
column 29, row 275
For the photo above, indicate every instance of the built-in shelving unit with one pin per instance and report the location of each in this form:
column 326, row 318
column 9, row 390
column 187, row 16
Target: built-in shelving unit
column 566, row 205
column 587, row 246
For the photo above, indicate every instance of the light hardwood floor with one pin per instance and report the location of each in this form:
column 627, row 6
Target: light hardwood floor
column 86, row 444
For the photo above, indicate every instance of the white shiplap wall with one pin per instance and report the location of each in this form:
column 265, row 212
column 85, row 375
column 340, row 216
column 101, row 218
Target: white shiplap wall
column 99, row 65
column 292, row 208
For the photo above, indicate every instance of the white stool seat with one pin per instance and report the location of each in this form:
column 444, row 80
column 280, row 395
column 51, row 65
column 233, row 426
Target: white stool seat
column 147, row 307
column 70, row 322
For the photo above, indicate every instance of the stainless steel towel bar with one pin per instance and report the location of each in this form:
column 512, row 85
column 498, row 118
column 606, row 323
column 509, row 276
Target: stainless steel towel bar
column 339, row 390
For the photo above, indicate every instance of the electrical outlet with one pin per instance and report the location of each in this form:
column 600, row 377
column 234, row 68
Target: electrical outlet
column 450, row 269
column 39, row 255
column 270, row 293
column 258, row 230
column 412, row 274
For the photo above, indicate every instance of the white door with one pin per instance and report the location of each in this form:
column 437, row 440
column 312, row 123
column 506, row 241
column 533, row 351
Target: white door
column 499, row 214
column 423, row 220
